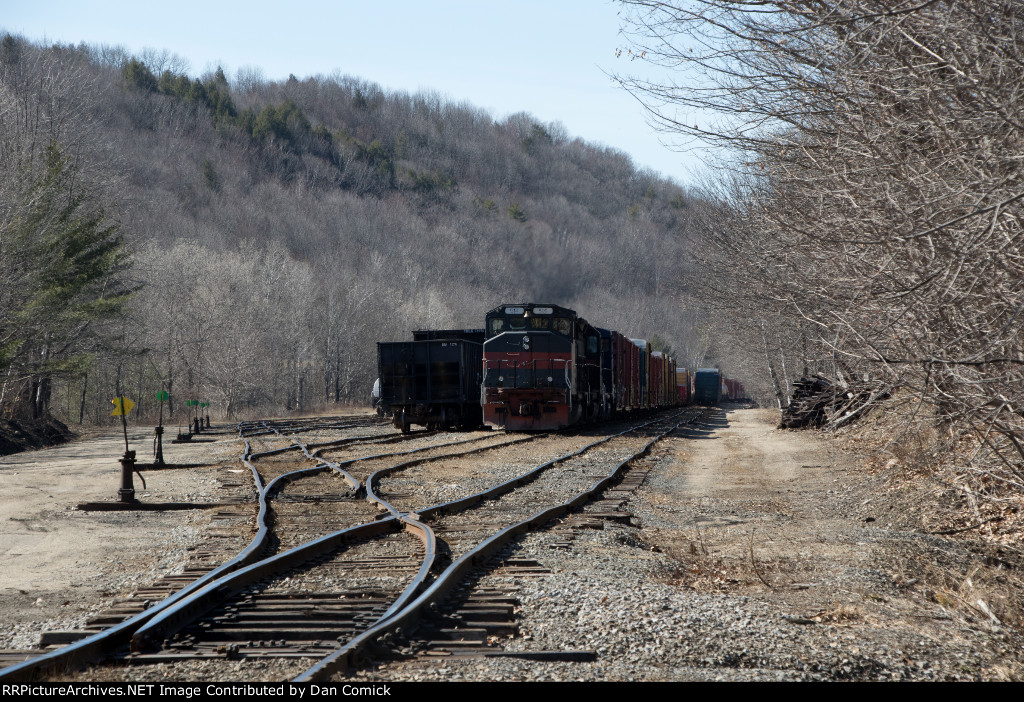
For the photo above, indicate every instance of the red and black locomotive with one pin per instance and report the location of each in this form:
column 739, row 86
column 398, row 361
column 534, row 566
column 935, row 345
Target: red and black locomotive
column 545, row 367
column 542, row 368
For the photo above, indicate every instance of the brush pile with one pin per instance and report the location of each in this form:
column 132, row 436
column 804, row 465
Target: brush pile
column 818, row 402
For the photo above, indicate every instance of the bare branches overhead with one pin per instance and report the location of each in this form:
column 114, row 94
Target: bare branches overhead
column 877, row 151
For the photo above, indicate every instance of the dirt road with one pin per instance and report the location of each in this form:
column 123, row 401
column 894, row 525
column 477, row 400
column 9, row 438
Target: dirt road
column 793, row 522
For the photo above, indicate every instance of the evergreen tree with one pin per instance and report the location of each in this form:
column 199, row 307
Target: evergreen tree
column 136, row 73
column 63, row 257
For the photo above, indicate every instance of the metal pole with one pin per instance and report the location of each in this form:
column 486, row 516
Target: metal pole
column 127, row 491
column 159, row 431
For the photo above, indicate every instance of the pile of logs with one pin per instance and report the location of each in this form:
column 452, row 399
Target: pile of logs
column 818, row 401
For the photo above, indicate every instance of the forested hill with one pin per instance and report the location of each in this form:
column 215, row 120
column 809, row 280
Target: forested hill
column 273, row 231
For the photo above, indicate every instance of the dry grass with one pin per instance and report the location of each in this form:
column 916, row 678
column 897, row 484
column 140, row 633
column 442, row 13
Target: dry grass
column 696, row 566
column 840, row 614
column 962, row 540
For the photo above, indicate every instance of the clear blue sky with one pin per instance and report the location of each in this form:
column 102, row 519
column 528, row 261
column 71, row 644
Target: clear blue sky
column 546, row 58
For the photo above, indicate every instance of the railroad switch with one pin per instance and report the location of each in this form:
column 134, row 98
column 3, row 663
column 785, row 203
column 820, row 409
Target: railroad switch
column 127, row 491
column 158, row 445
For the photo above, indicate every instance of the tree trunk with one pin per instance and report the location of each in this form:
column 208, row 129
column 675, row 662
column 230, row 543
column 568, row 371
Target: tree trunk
column 81, row 407
column 779, row 397
column 787, row 390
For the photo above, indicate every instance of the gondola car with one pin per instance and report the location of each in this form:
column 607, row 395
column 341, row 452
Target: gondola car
column 433, row 380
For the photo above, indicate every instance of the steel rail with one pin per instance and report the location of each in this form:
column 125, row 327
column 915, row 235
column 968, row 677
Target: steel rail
column 374, row 439
column 183, row 612
column 319, row 427
column 368, row 439
column 354, row 483
column 406, row 619
column 499, row 489
column 462, row 503
column 169, row 608
column 171, row 620
column 105, row 642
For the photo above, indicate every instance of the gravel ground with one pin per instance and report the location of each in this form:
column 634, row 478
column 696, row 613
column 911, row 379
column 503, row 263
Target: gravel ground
column 753, row 554
column 750, row 559
column 63, row 565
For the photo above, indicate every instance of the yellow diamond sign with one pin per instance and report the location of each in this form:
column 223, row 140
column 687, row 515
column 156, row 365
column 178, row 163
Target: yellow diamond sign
column 122, row 406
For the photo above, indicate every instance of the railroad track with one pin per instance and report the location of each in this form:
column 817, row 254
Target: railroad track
column 301, row 612
column 229, row 543
column 487, row 614
column 328, row 569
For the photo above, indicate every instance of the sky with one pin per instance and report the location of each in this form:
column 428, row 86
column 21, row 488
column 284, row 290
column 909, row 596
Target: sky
column 549, row 58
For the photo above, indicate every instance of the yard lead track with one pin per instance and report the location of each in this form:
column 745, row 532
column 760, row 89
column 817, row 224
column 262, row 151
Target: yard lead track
column 387, row 631
column 123, row 619
column 361, row 605
column 280, row 574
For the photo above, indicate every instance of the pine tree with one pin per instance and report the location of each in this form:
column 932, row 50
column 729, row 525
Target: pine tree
column 64, row 258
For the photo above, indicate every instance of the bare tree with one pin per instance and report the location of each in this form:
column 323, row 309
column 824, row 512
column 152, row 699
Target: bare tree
column 875, row 160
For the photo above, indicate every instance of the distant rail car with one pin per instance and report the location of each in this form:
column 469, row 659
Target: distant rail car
column 434, row 380
column 707, row 385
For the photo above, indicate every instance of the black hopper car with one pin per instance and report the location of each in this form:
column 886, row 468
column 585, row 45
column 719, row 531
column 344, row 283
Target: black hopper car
column 433, row 380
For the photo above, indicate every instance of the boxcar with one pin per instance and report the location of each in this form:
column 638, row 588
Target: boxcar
column 683, row 386
column 707, row 386
column 644, row 381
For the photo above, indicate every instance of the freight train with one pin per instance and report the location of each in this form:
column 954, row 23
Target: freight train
column 533, row 367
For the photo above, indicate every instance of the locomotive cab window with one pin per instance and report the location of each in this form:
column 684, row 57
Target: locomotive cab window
column 562, row 325
column 591, row 345
column 539, row 322
column 496, row 325
column 517, row 323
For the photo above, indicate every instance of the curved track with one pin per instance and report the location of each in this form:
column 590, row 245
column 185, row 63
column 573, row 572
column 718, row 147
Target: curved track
column 345, row 549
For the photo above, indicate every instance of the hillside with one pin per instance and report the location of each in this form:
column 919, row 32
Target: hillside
column 277, row 230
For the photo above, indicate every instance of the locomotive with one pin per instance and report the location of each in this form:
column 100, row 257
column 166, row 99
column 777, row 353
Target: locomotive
column 533, row 367
column 542, row 368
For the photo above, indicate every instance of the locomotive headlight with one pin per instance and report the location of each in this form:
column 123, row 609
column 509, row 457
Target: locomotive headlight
column 550, row 378
column 501, row 378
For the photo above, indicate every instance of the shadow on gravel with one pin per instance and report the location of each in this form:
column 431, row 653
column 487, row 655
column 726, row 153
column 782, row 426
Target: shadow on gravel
column 706, row 427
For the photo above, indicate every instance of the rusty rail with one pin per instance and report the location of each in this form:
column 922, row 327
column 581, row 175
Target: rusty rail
column 407, row 618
